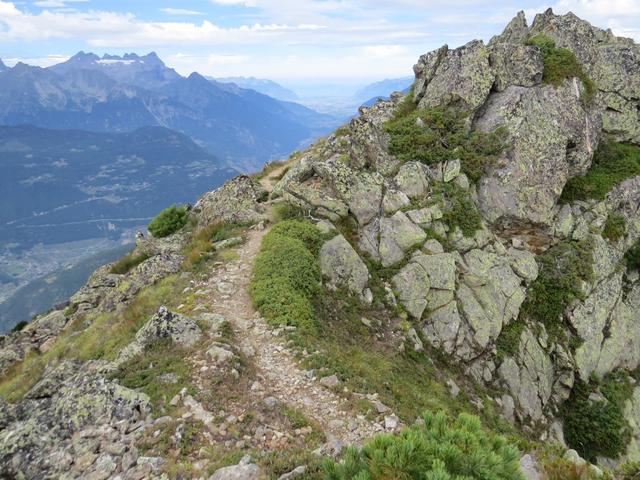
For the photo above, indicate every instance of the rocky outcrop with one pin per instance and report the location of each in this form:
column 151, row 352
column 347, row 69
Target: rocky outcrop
column 464, row 293
column 237, row 201
column 73, row 424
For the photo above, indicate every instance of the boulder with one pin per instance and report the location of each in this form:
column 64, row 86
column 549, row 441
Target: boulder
column 397, row 235
column 412, row 180
column 541, row 122
column 412, row 285
column 181, row 330
column 245, row 470
column 344, row 268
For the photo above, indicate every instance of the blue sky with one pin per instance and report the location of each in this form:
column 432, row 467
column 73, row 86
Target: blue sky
column 287, row 40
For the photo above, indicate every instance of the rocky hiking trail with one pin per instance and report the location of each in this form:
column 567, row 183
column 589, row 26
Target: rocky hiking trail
column 279, row 378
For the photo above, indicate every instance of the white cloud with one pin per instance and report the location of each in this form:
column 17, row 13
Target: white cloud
column 56, row 3
column 37, row 61
column 181, row 11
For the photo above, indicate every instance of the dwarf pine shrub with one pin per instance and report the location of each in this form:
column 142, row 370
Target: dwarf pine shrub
column 438, row 134
column 563, row 268
column 441, row 449
column 598, row 427
column 612, row 163
column 168, row 221
column 561, row 63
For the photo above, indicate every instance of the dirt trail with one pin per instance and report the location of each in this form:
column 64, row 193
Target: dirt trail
column 278, row 374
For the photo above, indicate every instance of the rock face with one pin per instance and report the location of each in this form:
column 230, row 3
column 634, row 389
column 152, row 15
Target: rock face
column 464, row 294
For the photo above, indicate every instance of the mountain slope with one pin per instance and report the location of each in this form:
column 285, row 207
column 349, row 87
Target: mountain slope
column 3, row 67
column 383, row 89
column 266, row 87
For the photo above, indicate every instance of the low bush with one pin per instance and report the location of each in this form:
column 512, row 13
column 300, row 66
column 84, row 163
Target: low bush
column 615, row 227
column 598, row 427
column 561, row 63
column 437, row 134
column 286, row 276
column 441, row 449
column 128, row 262
column 633, row 257
column 460, row 210
column 563, row 268
column 168, row 221
column 509, row 340
column 612, row 163
column 19, row 326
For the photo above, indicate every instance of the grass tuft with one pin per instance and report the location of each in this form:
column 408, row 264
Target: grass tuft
column 612, row 163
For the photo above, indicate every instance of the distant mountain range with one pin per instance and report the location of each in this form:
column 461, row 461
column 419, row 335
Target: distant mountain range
column 266, row 87
column 3, row 67
column 382, row 89
column 117, row 94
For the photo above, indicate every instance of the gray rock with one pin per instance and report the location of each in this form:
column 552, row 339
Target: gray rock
column 412, row 285
column 397, row 235
column 243, row 471
column 332, row 381
column 163, row 325
column 412, row 180
column 529, row 468
column 344, row 268
column 295, row 473
column 462, row 75
column 238, row 200
column 394, row 200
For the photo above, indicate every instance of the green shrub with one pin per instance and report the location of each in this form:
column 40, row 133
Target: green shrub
column 562, row 270
column 598, row 427
column 633, row 257
column 19, row 326
column 287, row 211
column 286, row 276
column 439, row 450
column 629, row 471
column 509, row 339
column 615, row 227
column 460, row 210
column 612, row 163
column 561, row 63
column 168, row 221
column 303, row 231
column 437, row 134
column 128, row 262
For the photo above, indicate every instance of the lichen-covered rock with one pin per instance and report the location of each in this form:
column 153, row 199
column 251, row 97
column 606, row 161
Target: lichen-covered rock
column 461, row 76
column 612, row 62
column 63, row 421
column 541, row 122
column 164, row 325
column 412, row 180
column 344, row 268
column 394, row 200
column 412, row 285
column 529, row 377
column 238, row 200
column 632, row 415
column 360, row 190
column 397, row 235
column 244, row 470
